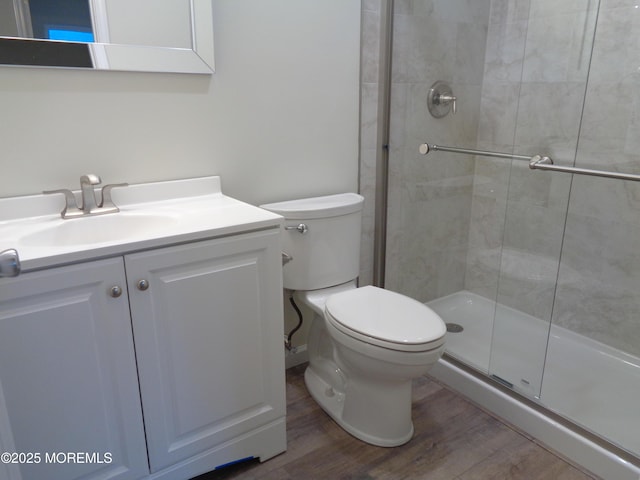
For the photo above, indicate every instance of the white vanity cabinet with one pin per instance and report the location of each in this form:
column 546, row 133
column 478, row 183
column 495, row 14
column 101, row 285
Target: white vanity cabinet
column 142, row 344
column 206, row 375
column 207, row 321
column 68, row 383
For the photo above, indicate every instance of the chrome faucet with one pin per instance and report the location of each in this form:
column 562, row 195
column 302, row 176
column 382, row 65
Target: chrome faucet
column 90, row 205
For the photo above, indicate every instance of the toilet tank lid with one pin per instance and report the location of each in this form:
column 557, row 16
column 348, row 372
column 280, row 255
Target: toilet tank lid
column 317, row 207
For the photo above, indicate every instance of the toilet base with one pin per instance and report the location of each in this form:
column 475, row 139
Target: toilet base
column 333, row 403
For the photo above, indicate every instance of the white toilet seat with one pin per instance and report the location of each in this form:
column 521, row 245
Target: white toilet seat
column 385, row 319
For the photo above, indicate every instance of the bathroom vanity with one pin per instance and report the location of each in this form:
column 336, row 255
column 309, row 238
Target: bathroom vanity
column 141, row 344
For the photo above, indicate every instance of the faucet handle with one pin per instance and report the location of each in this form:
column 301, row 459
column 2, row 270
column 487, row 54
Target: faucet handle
column 70, row 202
column 106, row 195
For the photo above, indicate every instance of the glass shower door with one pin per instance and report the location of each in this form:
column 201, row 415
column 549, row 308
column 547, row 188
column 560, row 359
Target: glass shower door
column 592, row 371
column 554, row 40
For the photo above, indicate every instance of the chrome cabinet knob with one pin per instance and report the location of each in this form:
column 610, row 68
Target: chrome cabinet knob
column 115, row 291
column 9, row 263
column 142, row 285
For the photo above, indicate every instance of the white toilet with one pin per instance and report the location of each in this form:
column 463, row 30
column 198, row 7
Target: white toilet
column 365, row 344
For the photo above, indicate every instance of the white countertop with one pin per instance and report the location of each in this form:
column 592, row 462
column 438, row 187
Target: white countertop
column 180, row 211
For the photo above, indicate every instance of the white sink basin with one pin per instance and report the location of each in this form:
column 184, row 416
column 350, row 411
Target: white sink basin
column 152, row 215
column 111, row 227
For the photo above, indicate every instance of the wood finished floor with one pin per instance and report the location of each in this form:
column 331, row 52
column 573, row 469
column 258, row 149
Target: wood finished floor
column 454, row 440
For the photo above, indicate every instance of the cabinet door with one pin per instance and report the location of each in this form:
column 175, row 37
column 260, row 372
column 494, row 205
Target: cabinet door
column 208, row 335
column 69, row 399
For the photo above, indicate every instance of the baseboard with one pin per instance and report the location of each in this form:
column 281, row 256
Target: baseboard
column 296, row 356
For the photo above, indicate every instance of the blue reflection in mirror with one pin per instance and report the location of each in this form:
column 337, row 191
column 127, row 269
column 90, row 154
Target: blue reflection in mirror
column 70, row 35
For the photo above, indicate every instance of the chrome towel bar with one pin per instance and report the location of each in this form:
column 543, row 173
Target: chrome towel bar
column 536, row 162
column 425, row 148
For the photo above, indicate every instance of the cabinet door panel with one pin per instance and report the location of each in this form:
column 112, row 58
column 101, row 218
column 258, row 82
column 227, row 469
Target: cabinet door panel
column 68, row 381
column 208, row 334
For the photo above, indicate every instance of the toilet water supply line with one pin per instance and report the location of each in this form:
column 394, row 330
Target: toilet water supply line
column 287, row 341
column 286, row 258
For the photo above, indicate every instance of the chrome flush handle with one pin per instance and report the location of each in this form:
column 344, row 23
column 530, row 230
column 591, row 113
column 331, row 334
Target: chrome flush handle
column 300, row 228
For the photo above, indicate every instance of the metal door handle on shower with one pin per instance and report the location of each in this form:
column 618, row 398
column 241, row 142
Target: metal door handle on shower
column 301, row 228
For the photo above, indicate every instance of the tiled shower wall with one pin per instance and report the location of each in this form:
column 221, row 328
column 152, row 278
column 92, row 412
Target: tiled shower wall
column 430, row 196
column 519, row 69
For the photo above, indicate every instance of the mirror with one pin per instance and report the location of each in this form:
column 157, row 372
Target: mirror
column 145, row 35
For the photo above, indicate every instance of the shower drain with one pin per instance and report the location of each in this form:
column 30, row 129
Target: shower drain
column 454, row 328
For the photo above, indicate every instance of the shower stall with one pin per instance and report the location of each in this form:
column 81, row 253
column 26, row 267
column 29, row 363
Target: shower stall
column 537, row 270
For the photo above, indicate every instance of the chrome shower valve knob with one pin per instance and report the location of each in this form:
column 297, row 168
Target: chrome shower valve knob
column 441, row 100
column 446, row 99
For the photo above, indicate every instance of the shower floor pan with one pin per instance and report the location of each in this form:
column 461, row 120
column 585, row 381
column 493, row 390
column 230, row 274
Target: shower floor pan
column 595, row 386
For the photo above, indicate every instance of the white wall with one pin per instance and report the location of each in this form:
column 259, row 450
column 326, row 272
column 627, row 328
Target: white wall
column 166, row 24
column 278, row 120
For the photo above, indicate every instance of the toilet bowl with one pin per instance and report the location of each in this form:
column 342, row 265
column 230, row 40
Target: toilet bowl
column 364, row 350
column 365, row 344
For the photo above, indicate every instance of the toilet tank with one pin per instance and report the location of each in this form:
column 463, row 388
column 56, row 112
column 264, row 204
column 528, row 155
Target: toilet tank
column 328, row 253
